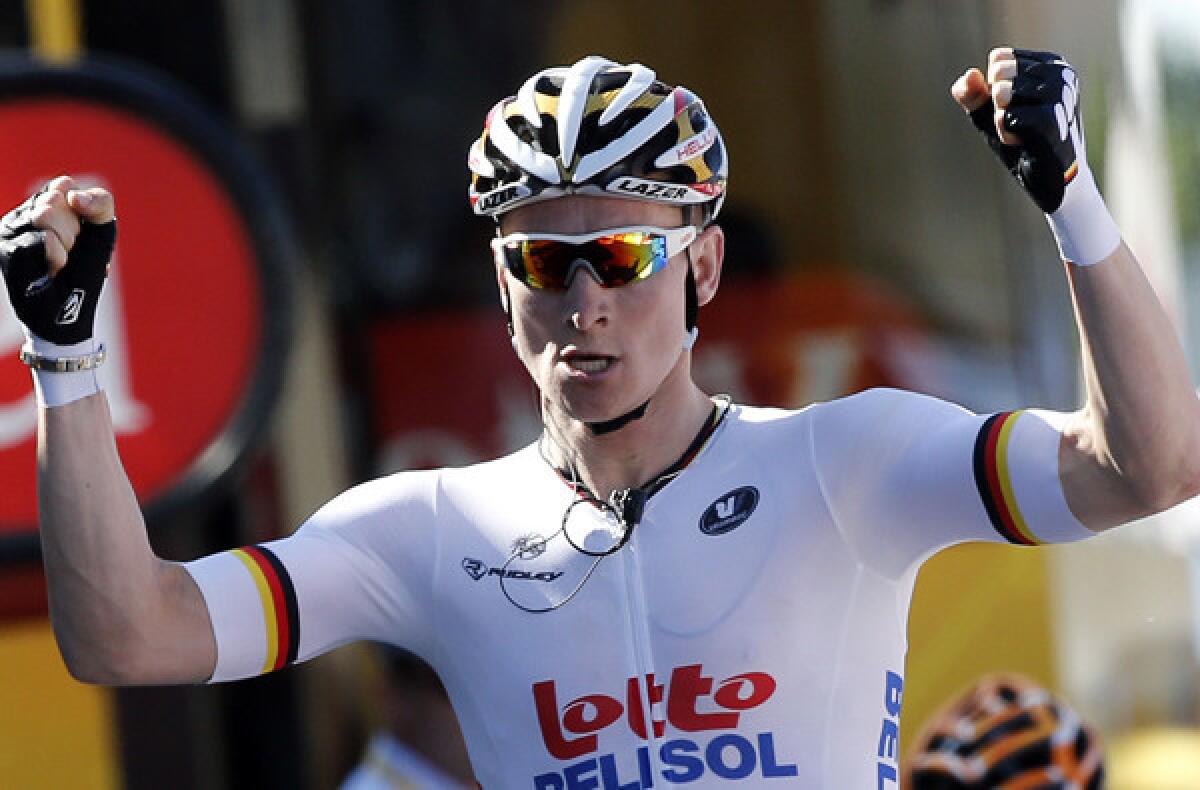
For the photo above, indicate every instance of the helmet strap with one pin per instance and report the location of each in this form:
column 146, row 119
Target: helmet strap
column 617, row 423
column 506, row 303
column 691, row 298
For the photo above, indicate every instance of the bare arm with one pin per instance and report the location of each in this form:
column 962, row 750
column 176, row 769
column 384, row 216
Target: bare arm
column 121, row 615
column 1134, row 448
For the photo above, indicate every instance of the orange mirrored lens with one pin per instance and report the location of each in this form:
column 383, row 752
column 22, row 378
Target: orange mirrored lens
column 617, row 260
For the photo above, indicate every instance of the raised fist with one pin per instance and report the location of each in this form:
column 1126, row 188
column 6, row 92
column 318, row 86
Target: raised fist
column 1027, row 107
column 54, row 253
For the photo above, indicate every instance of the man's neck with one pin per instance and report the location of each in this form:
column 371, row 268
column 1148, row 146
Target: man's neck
column 636, row 453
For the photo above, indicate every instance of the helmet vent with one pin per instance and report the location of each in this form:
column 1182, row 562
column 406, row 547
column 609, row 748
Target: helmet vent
column 640, row 78
column 539, row 83
column 576, row 88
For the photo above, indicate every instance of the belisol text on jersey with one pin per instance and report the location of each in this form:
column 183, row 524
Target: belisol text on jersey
column 573, row 731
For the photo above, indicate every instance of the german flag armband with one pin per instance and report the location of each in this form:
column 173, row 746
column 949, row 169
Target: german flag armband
column 281, row 618
column 253, row 609
column 1015, row 462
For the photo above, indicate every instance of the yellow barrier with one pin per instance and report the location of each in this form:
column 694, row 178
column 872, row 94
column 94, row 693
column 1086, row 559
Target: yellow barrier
column 978, row 608
column 54, row 731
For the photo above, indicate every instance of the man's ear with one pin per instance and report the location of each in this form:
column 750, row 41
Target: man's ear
column 708, row 256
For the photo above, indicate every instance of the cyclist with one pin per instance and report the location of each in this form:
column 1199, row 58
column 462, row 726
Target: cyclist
column 666, row 587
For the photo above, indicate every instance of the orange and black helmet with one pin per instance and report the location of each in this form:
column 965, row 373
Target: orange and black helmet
column 598, row 128
column 1006, row 732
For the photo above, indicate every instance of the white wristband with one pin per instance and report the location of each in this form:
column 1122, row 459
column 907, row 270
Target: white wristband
column 58, row 389
column 1086, row 233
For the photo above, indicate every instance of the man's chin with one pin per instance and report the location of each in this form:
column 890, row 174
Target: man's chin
column 593, row 413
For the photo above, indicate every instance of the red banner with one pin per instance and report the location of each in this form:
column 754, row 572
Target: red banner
column 180, row 314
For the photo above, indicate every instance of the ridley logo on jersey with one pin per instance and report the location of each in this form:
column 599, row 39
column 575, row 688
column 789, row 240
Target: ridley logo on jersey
column 477, row 569
column 730, row 511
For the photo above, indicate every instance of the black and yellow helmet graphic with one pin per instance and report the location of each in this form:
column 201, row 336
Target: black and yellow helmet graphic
column 1007, row 732
column 598, row 128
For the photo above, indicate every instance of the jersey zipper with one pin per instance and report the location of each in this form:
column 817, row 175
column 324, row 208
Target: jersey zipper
column 643, row 654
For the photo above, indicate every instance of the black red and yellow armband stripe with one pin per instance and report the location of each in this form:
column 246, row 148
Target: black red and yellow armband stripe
column 994, row 479
column 278, row 598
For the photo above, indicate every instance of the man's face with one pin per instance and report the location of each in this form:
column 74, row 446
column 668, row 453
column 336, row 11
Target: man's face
column 594, row 352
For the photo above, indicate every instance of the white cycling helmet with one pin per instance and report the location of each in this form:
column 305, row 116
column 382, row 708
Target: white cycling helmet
column 598, row 128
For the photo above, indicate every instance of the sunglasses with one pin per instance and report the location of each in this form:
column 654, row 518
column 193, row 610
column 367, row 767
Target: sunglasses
column 615, row 257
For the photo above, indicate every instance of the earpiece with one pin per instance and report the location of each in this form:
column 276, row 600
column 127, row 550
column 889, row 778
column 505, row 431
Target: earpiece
column 508, row 319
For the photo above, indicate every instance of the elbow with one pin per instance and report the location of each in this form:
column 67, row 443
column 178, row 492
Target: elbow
column 1161, row 470
column 116, row 657
column 90, row 665
column 107, row 671
column 1179, row 479
column 97, row 663
column 122, row 670
column 1188, row 487
column 84, row 670
column 1184, row 483
column 1155, row 493
column 91, row 673
column 1151, row 502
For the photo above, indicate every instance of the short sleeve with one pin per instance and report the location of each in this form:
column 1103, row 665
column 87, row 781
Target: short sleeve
column 905, row 475
column 360, row 568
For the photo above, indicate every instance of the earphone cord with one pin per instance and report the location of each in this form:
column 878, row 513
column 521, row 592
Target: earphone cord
column 629, row 503
column 626, row 504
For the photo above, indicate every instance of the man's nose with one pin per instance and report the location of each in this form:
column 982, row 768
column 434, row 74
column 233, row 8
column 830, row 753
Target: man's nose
column 587, row 302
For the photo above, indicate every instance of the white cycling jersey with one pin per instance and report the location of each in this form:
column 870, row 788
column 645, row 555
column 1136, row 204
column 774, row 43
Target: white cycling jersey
column 751, row 632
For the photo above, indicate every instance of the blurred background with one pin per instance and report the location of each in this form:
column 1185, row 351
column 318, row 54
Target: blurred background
column 872, row 241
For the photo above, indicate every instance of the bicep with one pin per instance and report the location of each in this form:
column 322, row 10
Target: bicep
column 1092, row 484
column 192, row 646
column 167, row 639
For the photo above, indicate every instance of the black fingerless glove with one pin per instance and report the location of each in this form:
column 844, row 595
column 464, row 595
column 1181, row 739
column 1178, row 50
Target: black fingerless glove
column 59, row 309
column 1044, row 113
